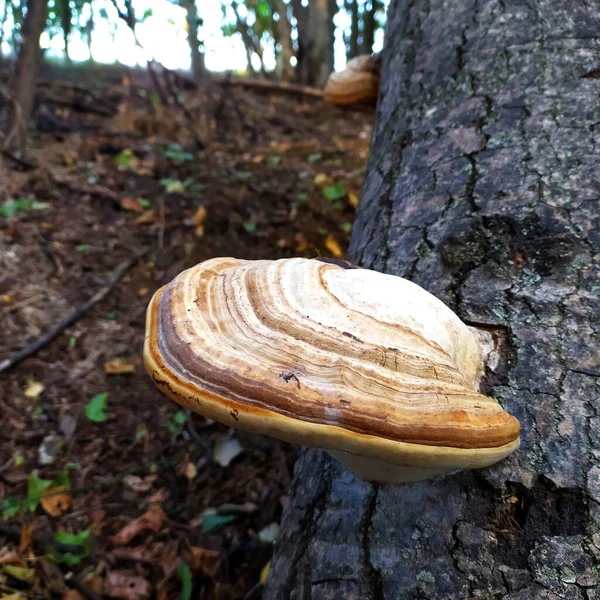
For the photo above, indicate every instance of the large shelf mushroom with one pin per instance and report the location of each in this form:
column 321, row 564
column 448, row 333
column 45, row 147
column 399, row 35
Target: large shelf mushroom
column 358, row 83
column 369, row 366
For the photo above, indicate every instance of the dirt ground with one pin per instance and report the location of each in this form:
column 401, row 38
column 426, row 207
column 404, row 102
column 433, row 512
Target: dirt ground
column 107, row 488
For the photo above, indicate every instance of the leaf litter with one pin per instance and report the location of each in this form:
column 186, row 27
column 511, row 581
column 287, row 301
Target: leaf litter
column 107, row 483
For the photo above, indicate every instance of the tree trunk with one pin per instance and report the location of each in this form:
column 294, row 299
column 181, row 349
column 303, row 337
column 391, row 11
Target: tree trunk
column 302, row 70
column 65, row 19
column 284, row 30
column 191, row 15
column 369, row 25
column 17, row 32
column 352, row 36
column 89, row 29
column 251, row 42
column 482, row 188
column 320, row 52
column 23, row 89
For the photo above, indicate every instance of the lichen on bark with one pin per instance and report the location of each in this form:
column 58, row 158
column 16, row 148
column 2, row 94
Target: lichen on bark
column 482, row 187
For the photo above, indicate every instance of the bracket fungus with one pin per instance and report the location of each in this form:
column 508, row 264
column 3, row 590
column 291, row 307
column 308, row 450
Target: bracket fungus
column 368, row 366
column 357, row 83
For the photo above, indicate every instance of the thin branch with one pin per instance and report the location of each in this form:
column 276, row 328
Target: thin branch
column 56, row 329
column 276, row 86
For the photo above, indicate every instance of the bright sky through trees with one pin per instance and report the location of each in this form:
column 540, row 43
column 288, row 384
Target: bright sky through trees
column 163, row 37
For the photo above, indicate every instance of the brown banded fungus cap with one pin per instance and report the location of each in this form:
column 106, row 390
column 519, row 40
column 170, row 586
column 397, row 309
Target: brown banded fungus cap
column 357, row 83
column 369, row 366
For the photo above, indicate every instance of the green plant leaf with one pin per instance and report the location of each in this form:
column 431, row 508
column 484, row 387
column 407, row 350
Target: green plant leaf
column 175, row 152
column 35, row 489
column 313, row 158
column 11, row 507
column 334, row 192
column 213, row 523
column 172, row 186
column 180, row 417
column 81, row 539
column 95, row 409
column 186, row 580
column 10, row 207
column 249, row 227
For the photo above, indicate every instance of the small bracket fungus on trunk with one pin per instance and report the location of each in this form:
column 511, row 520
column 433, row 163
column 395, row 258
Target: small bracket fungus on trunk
column 368, row 366
column 357, row 83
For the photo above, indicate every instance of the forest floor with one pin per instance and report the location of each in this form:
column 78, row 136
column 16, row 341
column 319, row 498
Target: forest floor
column 107, row 488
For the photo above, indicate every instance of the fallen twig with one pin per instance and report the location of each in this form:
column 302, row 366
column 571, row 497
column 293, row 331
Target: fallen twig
column 25, row 164
column 79, row 311
column 275, row 86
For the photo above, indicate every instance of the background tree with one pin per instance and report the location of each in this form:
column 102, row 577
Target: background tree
column 194, row 22
column 365, row 17
column 23, row 87
column 482, row 188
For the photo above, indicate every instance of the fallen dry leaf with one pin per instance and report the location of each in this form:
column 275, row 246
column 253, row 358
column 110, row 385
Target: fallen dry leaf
column 21, row 573
column 137, row 484
column 301, row 242
column 152, row 520
column 51, row 575
column 168, row 558
column 333, row 247
column 265, row 573
column 119, row 584
column 72, row 595
column 33, row 389
column 352, row 199
column 146, row 217
column 159, row 497
column 116, row 366
column 13, row 596
column 131, row 204
column 11, row 557
column 226, row 449
column 207, row 561
column 198, row 221
column 26, row 540
column 322, row 180
column 190, row 471
column 56, row 500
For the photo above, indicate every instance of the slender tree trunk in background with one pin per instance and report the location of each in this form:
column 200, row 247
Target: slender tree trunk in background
column 23, row 88
column 191, row 15
column 320, row 51
column 89, row 29
column 368, row 36
column 17, row 13
column 332, row 10
column 352, row 37
column 284, row 30
column 302, row 70
column 251, row 42
column 481, row 187
column 65, row 20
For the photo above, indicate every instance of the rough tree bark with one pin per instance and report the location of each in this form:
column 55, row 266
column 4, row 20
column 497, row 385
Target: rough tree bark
column 481, row 187
column 23, row 88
